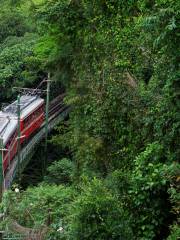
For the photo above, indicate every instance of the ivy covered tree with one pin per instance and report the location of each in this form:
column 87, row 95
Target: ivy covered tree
column 19, row 65
column 118, row 61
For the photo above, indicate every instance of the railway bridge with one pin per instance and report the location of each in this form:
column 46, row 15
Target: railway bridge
column 56, row 113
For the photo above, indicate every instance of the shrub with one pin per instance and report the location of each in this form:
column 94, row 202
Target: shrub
column 97, row 214
column 61, row 172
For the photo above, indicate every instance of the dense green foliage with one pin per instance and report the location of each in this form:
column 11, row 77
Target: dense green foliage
column 60, row 172
column 19, row 66
column 119, row 63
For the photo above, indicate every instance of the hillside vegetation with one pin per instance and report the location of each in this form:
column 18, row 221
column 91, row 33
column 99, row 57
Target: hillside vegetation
column 118, row 61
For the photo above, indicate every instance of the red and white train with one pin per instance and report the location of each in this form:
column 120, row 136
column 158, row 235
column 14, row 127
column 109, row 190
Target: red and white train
column 31, row 118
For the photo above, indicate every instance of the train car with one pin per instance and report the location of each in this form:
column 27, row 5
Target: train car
column 8, row 133
column 31, row 118
column 32, row 115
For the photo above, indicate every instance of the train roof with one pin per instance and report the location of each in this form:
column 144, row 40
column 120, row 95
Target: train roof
column 8, row 124
column 27, row 104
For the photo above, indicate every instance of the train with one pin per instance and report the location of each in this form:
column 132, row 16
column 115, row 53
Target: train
column 32, row 115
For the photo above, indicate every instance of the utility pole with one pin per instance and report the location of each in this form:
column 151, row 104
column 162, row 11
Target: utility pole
column 47, row 120
column 1, row 169
column 1, row 174
column 19, row 136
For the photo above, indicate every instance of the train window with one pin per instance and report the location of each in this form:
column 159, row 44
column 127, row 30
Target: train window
column 10, row 141
column 33, row 116
column 26, row 122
